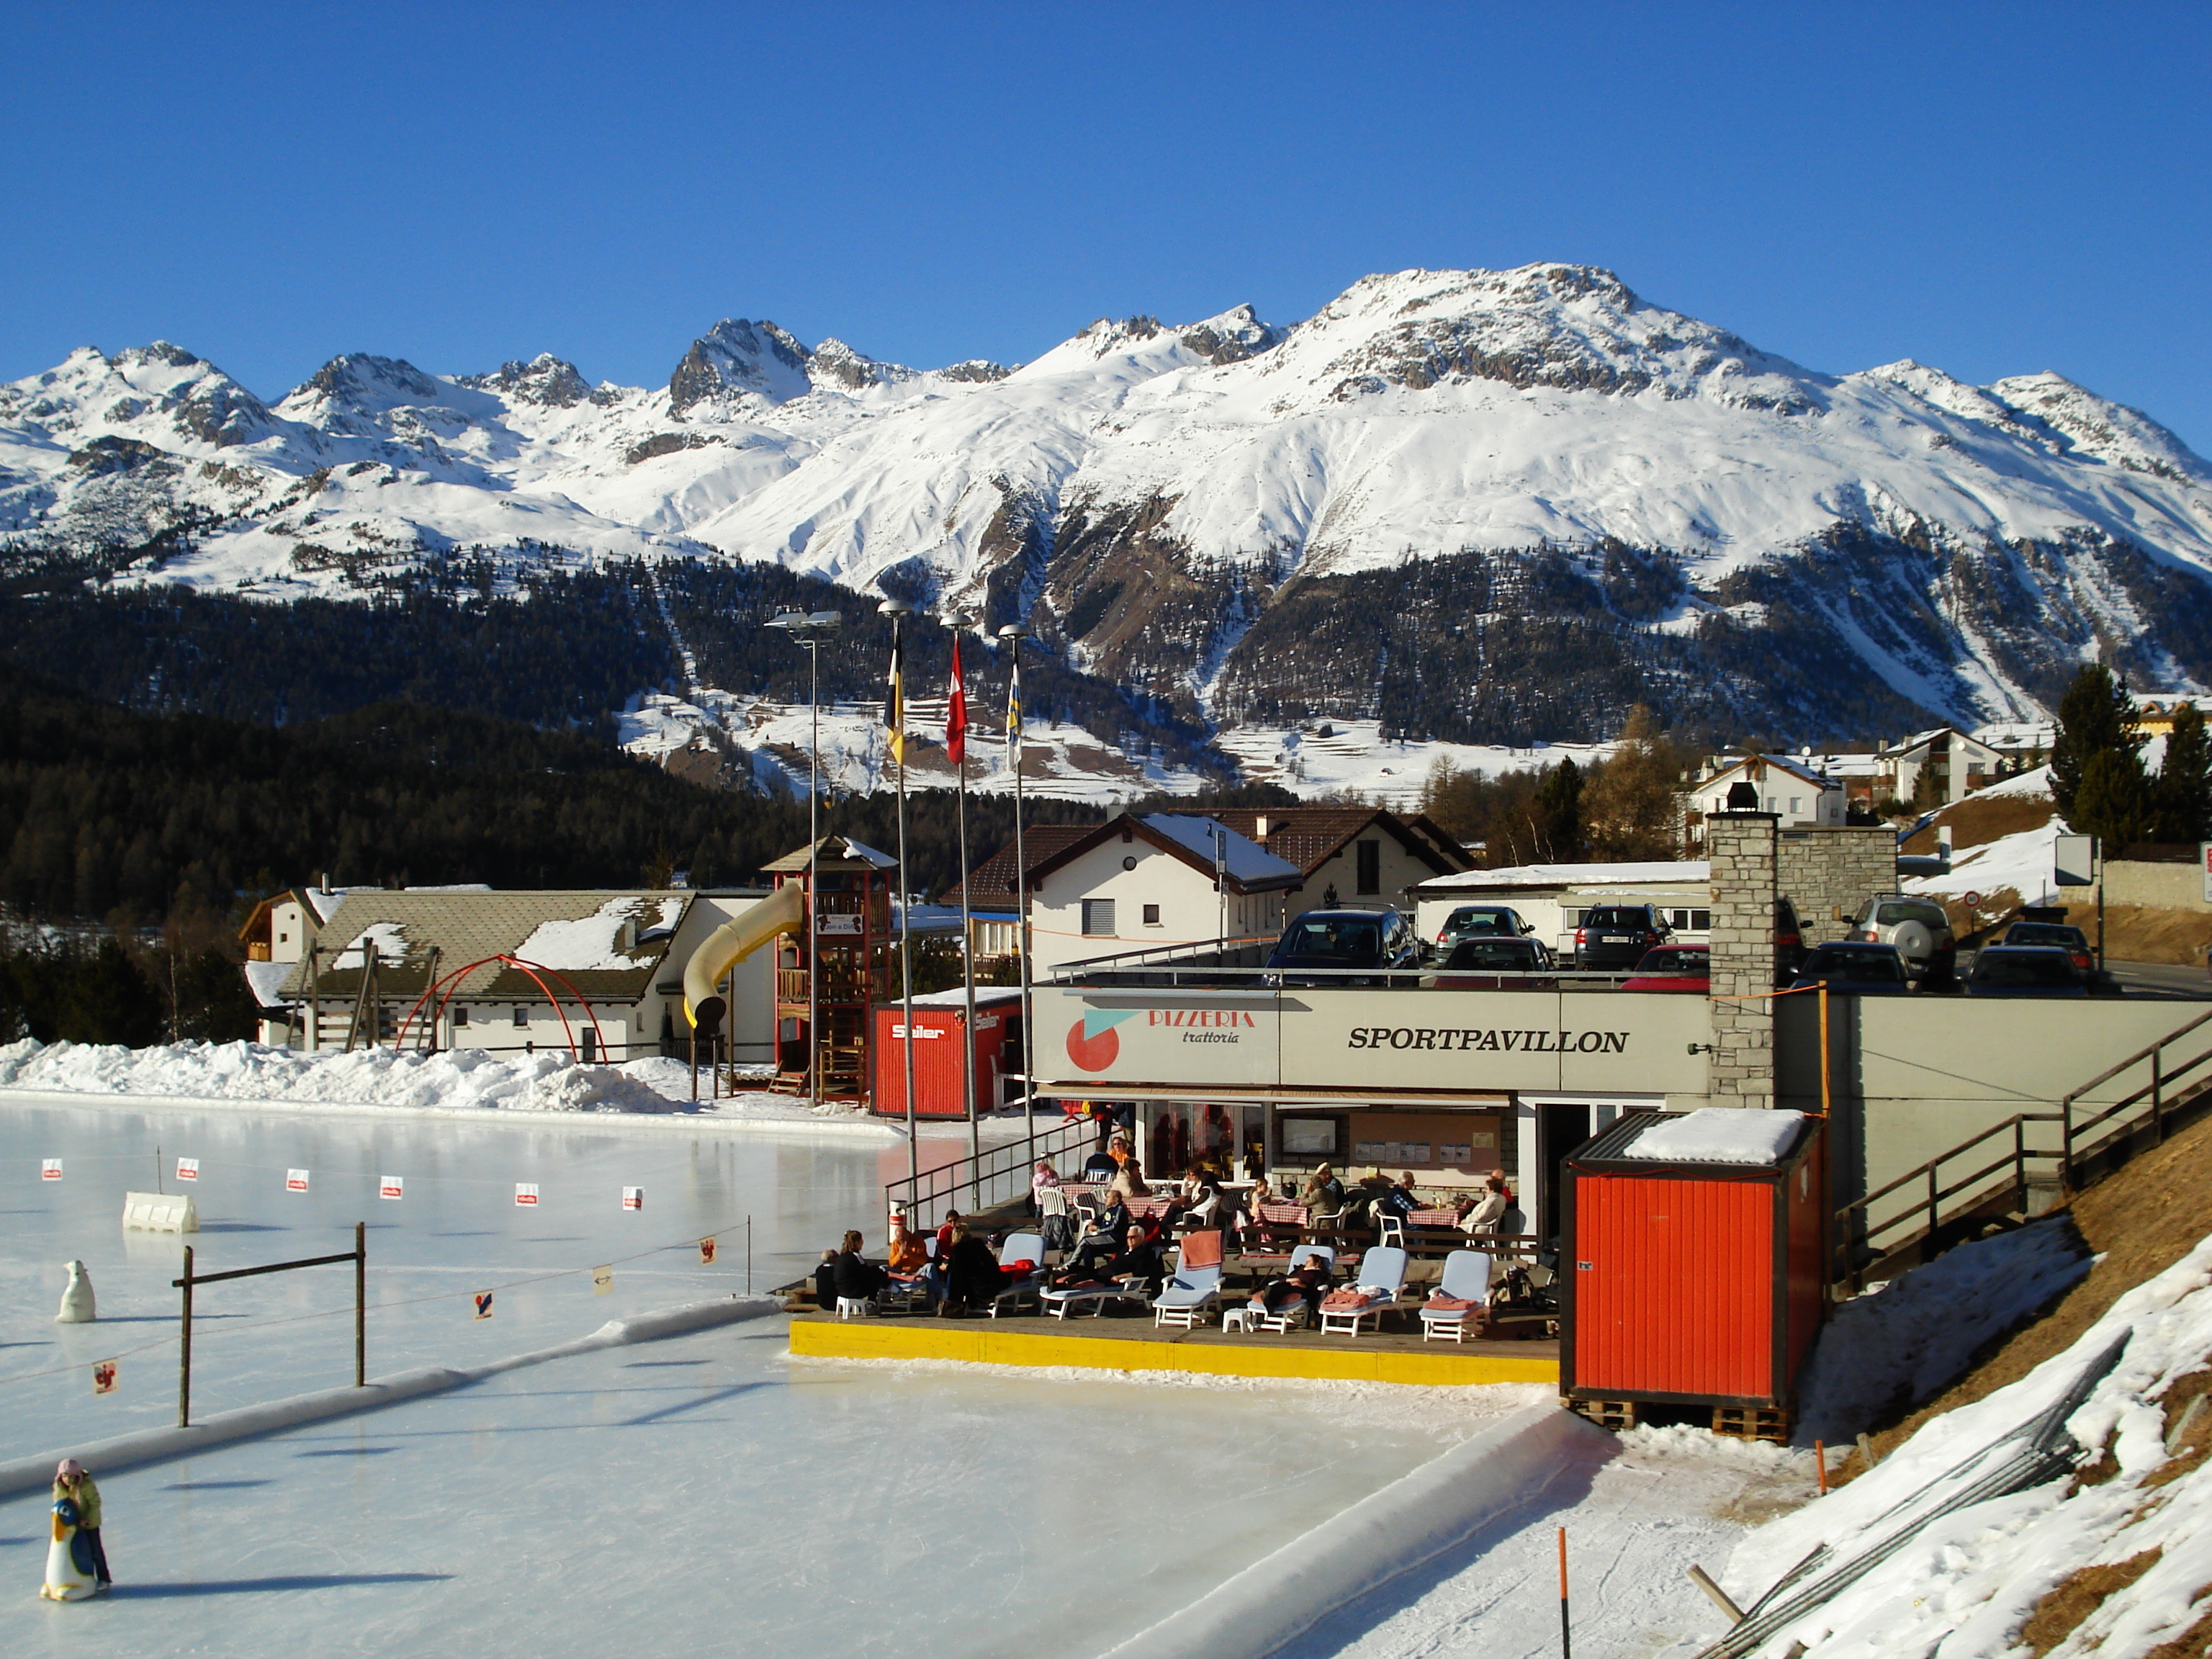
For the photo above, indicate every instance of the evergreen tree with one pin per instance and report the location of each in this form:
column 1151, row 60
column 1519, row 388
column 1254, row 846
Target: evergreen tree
column 1556, row 816
column 1628, row 807
column 2113, row 801
column 2097, row 716
column 2182, row 792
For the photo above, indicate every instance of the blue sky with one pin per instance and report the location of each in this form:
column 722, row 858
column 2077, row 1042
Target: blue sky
column 1994, row 189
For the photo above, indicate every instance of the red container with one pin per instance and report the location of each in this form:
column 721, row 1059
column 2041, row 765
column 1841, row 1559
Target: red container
column 1696, row 1283
column 937, row 1091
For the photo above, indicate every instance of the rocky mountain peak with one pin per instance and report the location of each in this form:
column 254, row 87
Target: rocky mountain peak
column 737, row 358
column 1234, row 336
column 836, row 364
column 2097, row 426
column 546, row 381
column 359, row 377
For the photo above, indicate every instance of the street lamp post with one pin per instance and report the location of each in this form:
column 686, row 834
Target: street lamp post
column 957, row 621
column 809, row 630
column 898, row 611
column 1013, row 634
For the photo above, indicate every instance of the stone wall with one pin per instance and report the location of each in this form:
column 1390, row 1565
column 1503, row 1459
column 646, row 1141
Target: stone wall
column 1743, row 847
column 2158, row 886
column 1822, row 870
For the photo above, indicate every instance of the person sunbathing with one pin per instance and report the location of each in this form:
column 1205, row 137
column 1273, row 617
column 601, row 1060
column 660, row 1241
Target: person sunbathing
column 1309, row 1280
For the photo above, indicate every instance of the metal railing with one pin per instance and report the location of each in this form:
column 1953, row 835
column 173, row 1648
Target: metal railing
column 998, row 1175
column 2002, row 1181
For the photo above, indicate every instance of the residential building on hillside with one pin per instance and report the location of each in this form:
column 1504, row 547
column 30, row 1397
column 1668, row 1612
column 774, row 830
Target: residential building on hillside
column 1155, row 880
column 1794, row 790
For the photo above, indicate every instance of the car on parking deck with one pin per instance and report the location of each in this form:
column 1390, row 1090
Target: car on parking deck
column 1618, row 935
column 2056, row 935
column 2024, row 970
column 1345, row 939
column 1674, row 968
column 1480, row 921
column 1498, row 965
column 1860, row 970
column 1917, row 927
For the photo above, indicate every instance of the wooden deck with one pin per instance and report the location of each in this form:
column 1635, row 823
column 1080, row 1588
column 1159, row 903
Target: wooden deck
column 1131, row 1343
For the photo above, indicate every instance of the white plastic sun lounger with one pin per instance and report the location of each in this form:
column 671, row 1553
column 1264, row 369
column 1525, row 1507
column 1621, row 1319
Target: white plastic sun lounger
column 1021, row 1247
column 1381, row 1275
column 1061, row 1303
column 1187, row 1295
column 1466, row 1275
column 1292, row 1315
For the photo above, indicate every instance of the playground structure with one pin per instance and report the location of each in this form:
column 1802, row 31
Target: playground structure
column 832, row 965
column 705, row 974
column 442, row 986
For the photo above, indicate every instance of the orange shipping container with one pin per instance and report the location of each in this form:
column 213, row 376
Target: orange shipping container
column 1691, row 1282
column 937, row 1019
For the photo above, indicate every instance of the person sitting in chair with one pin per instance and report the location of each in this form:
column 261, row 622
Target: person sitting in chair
column 1102, row 1243
column 857, row 1278
column 1309, row 1280
column 972, row 1276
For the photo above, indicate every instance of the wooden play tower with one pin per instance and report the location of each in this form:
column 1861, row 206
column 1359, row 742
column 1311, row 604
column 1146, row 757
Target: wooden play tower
column 850, row 919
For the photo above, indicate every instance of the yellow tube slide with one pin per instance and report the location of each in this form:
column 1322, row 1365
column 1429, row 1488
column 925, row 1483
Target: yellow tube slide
column 783, row 911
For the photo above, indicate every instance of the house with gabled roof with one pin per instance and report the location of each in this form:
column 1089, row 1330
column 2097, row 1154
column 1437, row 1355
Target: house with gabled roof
column 1155, row 880
column 1348, row 855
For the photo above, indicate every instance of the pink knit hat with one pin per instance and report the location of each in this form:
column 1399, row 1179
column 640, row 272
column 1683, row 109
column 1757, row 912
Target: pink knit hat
column 70, row 1469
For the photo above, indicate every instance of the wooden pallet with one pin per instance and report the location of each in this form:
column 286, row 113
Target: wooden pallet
column 1615, row 1414
column 1768, row 1423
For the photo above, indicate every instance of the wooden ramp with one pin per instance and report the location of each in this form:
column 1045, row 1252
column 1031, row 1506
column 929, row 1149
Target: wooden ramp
column 1133, row 1344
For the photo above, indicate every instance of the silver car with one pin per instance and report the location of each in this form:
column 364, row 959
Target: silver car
column 1918, row 927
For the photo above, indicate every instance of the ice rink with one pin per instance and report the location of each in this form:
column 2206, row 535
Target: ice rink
column 701, row 1491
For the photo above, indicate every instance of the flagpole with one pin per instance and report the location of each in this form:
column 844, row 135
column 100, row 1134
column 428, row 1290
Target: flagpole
column 956, row 740
column 894, row 710
column 1013, row 634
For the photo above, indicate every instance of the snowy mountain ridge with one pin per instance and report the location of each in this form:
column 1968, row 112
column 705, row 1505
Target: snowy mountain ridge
column 1465, row 464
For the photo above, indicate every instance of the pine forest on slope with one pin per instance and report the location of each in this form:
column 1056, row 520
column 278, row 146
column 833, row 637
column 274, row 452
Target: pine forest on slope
column 1497, row 506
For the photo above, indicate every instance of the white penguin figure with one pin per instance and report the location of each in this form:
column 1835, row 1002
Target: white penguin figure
column 76, row 1298
column 70, row 1576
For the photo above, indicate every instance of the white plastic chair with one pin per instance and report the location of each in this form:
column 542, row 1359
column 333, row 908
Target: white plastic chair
column 1381, row 1273
column 1466, row 1275
column 1292, row 1315
column 852, row 1307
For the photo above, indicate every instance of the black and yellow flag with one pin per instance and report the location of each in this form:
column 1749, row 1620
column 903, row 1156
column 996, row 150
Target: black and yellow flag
column 895, row 698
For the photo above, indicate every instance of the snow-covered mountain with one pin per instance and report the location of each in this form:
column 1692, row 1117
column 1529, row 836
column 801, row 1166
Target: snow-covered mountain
column 1479, row 506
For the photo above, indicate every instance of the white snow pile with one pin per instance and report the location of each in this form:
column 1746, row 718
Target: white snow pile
column 454, row 1080
column 1963, row 1582
column 1904, row 1343
column 1719, row 1135
column 2022, row 861
column 2026, row 786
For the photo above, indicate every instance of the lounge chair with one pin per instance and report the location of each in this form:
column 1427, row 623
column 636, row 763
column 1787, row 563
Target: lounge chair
column 1021, row 1247
column 1187, row 1295
column 1292, row 1315
column 1061, row 1303
column 1466, row 1280
column 1382, row 1276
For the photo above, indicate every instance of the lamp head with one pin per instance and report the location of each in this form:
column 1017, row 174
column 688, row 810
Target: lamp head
column 893, row 608
column 1013, row 631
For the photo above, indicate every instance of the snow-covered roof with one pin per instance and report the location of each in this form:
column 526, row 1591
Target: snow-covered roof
column 1246, row 860
column 266, row 981
column 593, row 943
column 1718, row 1135
column 986, row 996
column 1684, row 872
column 1784, row 762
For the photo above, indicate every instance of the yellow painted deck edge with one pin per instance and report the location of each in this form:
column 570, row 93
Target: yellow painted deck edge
column 978, row 1344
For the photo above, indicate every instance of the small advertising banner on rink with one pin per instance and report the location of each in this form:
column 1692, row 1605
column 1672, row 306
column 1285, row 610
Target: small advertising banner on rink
column 633, row 1198
column 392, row 1186
column 525, row 1192
column 188, row 1168
column 707, row 1251
column 482, row 1301
column 603, row 1280
column 49, row 1169
column 295, row 1181
column 104, row 1373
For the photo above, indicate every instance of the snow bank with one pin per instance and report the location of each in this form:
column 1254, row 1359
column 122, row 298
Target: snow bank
column 125, row 1451
column 2022, row 861
column 1719, row 1135
column 1907, row 1341
column 2027, row 786
column 453, row 1080
column 1382, row 1536
column 1966, row 1581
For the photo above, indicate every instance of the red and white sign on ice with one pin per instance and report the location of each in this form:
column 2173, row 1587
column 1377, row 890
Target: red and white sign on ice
column 49, row 1169
column 706, row 1250
column 482, row 1299
column 633, row 1198
column 295, row 1181
column 392, row 1186
column 103, row 1376
column 526, row 1192
column 188, row 1168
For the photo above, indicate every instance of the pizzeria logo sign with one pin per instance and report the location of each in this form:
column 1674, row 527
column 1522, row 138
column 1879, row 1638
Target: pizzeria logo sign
column 1490, row 1040
column 1094, row 1044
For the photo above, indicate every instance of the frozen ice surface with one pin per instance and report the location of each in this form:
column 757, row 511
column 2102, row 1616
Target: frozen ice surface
column 457, row 1230
column 700, row 1493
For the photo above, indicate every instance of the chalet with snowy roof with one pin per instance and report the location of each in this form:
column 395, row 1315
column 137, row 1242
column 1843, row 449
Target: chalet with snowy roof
column 1946, row 762
column 1155, row 880
column 1794, row 790
column 1347, row 855
column 593, row 973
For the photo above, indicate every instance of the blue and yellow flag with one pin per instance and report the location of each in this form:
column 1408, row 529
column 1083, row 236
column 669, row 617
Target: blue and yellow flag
column 894, row 698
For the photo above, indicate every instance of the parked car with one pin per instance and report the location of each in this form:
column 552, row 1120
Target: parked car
column 1858, row 969
column 1674, row 968
column 1618, row 935
column 1918, row 927
column 2072, row 940
column 1342, row 939
column 1498, row 965
column 1788, row 941
column 2024, row 970
column 1480, row 921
